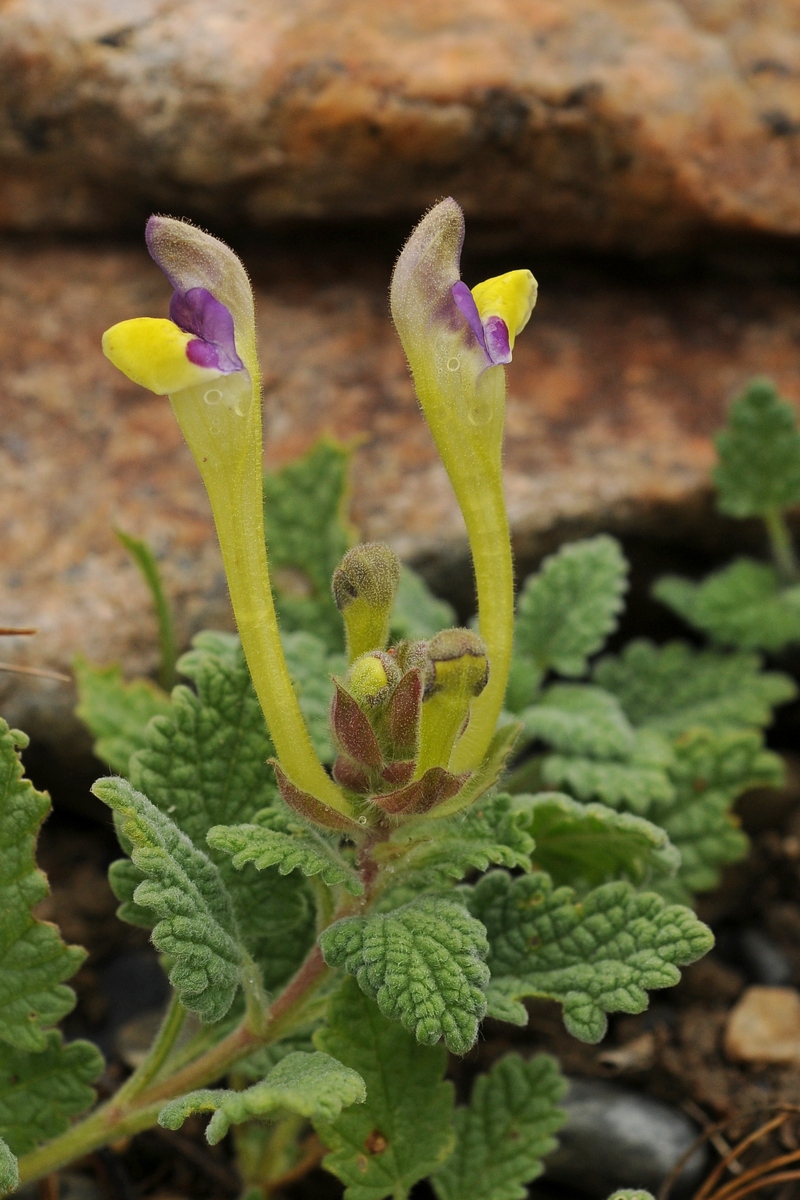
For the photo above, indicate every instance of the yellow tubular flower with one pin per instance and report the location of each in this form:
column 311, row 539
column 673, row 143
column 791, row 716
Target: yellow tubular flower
column 205, row 359
column 456, row 342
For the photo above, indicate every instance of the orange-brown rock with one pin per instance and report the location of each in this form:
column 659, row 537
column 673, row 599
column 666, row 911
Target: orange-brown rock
column 613, row 394
column 635, row 123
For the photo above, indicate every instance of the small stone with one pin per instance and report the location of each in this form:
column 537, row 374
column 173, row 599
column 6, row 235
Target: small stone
column 636, row 1055
column 764, row 1027
column 615, row 1137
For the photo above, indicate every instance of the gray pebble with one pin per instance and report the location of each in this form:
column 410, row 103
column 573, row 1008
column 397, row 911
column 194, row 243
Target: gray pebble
column 765, row 961
column 615, row 1137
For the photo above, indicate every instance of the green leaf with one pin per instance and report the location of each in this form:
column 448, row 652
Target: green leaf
column 312, row 668
column 205, row 761
column 567, row 610
column 40, row 1092
column 124, row 878
column 594, row 957
column 34, row 961
column 279, row 840
column 404, row 1131
column 675, row 687
column 589, row 844
column 205, row 764
column 312, row 1085
column 492, row 831
column 636, row 785
column 115, row 712
column 145, row 560
column 710, row 771
column 744, row 605
column 504, row 1132
column 759, row 454
column 305, row 518
column 418, row 614
column 581, row 720
column 196, row 926
column 423, row 963
column 9, row 1170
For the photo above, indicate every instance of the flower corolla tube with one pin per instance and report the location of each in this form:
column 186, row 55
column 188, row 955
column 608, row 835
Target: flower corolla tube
column 457, row 341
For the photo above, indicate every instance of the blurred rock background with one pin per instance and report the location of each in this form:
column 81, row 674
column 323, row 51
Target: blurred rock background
column 641, row 156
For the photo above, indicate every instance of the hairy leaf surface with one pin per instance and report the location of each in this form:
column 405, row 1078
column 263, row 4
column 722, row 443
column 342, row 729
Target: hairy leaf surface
column 124, row 878
column 744, row 605
column 40, row 1092
column 423, row 963
column 590, row 844
column 581, row 720
column 404, row 1131
column 196, row 927
column 492, row 831
column 594, row 957
column 278, row 840
column 205, row 764
column 312, row 1085
column 504, row 1132
column 9, row 1169
column 34, row 961
column 711, row 771
column 632, row 785
column 759, row 454
column 566, row 611
column 115, row 712
column 675, row 687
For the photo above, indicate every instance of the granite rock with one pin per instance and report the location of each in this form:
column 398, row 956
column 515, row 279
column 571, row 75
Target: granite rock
column 613, row 395
column 590, row 122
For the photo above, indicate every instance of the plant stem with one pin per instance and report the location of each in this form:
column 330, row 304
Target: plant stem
column 126, row 1114
column 781, row 544
column 157, row 1054
column 490, row 541
column 225, row 439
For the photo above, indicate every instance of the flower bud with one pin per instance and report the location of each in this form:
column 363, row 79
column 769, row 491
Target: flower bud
column 460, row 672
column 364, row 587
column 370, row 678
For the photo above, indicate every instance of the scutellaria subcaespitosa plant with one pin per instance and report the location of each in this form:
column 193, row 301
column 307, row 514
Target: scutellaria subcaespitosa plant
column 344, row 832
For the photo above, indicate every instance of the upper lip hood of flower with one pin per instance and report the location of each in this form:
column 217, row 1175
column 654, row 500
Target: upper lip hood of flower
column 427, row 291
column 211, row 331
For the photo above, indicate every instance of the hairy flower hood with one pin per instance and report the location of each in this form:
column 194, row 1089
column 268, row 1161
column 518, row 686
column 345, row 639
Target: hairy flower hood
column 210, row 336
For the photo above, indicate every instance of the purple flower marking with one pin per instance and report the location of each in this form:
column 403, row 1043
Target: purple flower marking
column 492, row 336
column 497, row 346
column 197, row 311
column 464, row 300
